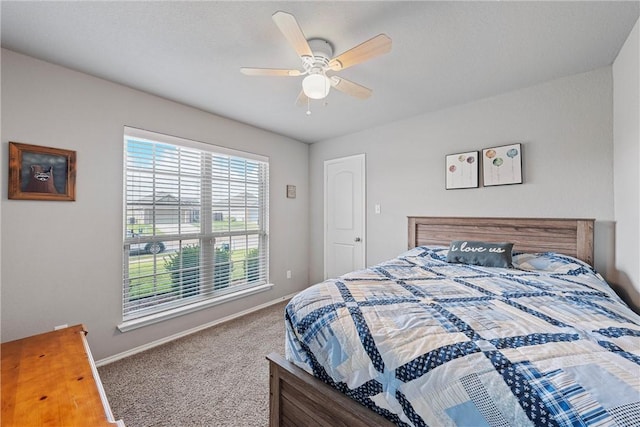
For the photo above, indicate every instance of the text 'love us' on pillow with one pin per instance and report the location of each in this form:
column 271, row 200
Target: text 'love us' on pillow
column 480, row 253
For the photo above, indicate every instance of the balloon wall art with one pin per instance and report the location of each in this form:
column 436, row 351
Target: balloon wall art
column 461, row 170
column 502, row 165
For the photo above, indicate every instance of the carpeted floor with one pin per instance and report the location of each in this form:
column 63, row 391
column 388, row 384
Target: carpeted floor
column 216, row 377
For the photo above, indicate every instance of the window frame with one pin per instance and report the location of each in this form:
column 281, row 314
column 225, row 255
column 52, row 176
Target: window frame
column 207, row 293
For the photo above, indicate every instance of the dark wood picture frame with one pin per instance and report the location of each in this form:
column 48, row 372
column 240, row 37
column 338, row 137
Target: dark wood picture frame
column 41, row 173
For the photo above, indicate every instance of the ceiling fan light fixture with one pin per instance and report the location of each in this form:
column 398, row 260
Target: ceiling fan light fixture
column 316, row 86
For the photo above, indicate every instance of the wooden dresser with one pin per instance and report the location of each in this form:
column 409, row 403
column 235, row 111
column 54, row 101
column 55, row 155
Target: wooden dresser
column 51, row 380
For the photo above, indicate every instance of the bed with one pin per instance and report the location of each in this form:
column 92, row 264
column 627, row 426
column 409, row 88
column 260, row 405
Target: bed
column 418, row 340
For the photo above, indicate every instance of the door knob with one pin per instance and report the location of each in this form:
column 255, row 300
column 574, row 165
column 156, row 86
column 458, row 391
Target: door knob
column 357, row 239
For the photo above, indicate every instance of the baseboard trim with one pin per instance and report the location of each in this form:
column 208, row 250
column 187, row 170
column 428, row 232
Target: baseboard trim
column 170, row 338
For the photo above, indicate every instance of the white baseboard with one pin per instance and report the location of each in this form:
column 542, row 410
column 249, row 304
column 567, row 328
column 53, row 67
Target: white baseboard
column 156, row 343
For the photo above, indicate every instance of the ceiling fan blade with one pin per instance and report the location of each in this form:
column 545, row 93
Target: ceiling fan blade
column 291, row 30
column 269, row 72
column 302, row 100
column 371, row 48
column 350, row 88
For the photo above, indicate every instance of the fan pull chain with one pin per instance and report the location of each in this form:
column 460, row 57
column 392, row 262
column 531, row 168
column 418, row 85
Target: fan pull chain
column 308, row 106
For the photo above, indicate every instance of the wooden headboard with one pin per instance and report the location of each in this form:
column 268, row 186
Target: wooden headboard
column 566, row 236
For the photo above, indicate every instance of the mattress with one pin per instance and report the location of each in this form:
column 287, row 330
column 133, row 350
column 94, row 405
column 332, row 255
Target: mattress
column 425, row 342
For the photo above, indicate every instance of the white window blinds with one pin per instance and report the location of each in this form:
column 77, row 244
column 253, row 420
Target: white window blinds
column 195, row 222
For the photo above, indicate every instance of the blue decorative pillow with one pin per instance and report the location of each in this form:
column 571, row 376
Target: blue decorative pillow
column 480, row 253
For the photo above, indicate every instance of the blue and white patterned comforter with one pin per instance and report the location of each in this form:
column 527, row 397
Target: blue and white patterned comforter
column 425, row 342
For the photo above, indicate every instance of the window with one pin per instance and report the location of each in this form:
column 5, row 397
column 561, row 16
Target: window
column 195, row 225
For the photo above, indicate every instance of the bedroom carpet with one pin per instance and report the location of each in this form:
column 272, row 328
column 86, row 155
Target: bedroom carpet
column 215, row 377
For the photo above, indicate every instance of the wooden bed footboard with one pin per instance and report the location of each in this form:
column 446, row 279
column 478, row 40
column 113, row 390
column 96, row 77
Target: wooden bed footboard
column 299, row 399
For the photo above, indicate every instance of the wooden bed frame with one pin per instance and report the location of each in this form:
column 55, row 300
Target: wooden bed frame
column 299, row 399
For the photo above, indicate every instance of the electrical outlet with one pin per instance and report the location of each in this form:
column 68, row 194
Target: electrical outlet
column 288, row 274
column 55, row 328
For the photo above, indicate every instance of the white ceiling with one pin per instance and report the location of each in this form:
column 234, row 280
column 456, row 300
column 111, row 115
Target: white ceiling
column 443, row 54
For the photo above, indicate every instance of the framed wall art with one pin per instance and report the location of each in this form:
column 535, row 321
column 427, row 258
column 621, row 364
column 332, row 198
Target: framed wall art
column 502, row 165
column 461, row 170
column 291, row 191
column 41, row 173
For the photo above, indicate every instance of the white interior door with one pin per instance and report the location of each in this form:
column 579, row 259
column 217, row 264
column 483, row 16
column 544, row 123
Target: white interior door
column 344, row 215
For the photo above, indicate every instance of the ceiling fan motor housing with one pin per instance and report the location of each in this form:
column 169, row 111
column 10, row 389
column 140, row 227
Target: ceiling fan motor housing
column 322, row 54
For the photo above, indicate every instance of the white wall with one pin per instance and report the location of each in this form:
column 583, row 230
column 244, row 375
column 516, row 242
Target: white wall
column 62, row 261
column 565, row 127
column 626, row 157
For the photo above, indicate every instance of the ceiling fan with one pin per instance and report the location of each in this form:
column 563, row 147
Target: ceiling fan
column 318, row 62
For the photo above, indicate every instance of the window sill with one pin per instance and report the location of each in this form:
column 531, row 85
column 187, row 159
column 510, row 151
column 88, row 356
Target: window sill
column 130, row 325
